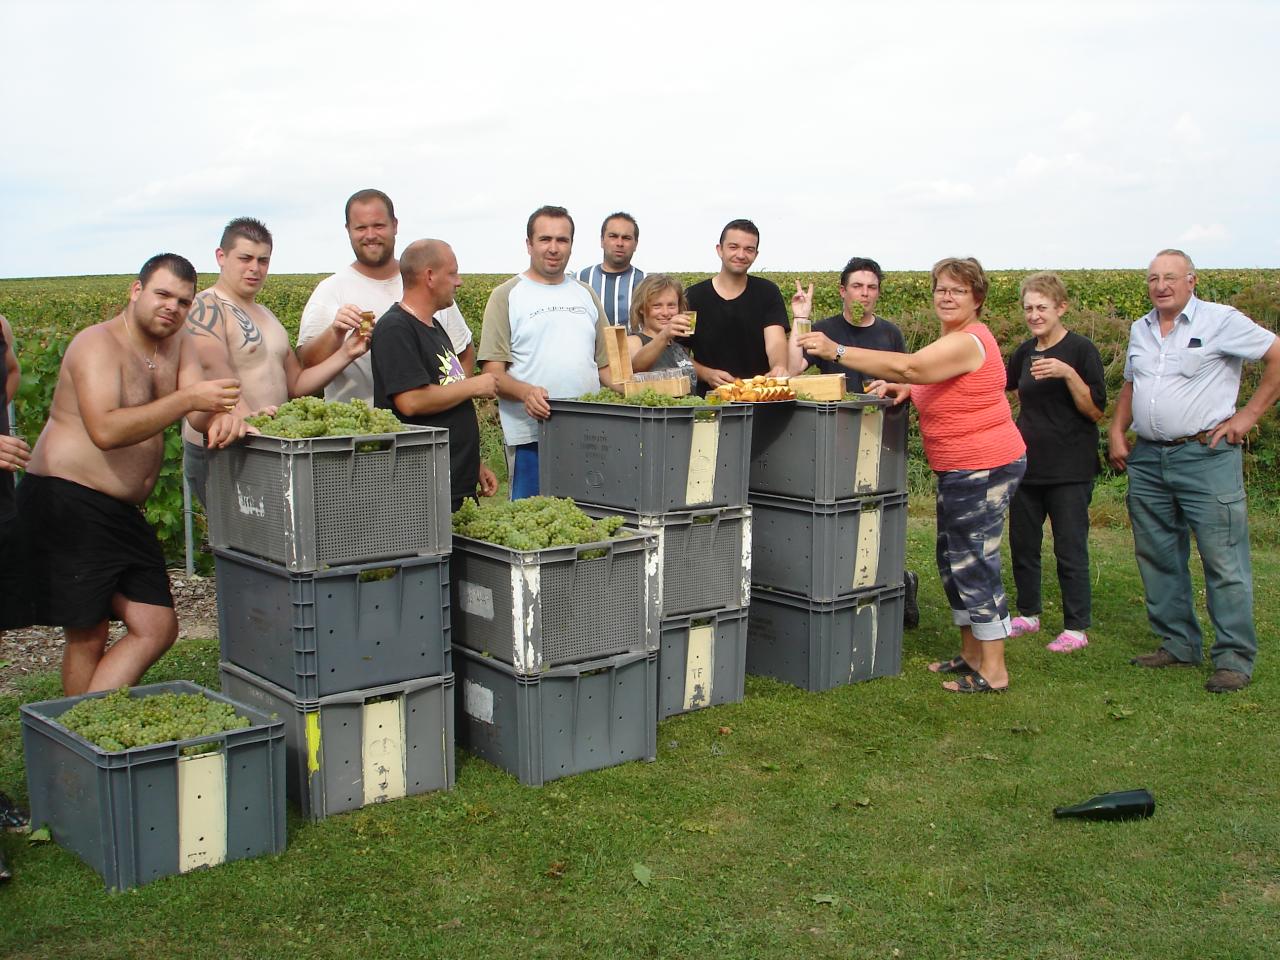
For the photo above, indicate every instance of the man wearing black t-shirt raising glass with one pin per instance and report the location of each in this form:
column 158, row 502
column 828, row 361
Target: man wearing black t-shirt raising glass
column 416, row 372
column 741, row 328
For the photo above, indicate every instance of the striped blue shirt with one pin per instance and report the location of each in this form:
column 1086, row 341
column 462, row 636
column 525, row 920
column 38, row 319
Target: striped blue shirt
column 613, row 289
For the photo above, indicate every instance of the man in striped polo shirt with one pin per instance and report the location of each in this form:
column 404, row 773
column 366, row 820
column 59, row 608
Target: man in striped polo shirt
column 615, row 277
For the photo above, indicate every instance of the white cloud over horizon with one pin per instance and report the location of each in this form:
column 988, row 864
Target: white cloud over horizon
column 1028, row 135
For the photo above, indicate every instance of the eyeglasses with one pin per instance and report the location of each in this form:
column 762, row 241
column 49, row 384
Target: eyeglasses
column 1168, row 278
column 954, row 293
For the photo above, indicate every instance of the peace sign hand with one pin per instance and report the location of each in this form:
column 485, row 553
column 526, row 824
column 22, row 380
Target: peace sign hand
column 802, row 302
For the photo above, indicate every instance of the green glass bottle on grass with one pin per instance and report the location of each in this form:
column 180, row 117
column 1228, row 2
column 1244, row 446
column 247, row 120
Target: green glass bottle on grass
column 1121, row 805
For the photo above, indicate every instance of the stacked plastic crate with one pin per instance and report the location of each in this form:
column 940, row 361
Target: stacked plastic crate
column 332, row 559
column 828, row 489
column 680, row 473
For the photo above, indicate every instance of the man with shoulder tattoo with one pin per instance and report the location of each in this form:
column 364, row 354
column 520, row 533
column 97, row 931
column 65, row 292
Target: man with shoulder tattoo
column 236, row 337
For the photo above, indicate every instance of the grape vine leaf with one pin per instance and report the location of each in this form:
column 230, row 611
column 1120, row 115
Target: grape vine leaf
column 643, row 875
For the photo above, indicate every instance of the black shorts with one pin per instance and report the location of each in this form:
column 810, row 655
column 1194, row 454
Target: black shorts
column 15, row 590
column 85, row 547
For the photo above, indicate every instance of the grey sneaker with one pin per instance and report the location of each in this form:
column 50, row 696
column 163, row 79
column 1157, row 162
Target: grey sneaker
column 1160, row 658
column 1226, row 681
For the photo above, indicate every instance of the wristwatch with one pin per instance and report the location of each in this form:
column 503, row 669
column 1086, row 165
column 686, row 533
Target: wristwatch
column 839, row 351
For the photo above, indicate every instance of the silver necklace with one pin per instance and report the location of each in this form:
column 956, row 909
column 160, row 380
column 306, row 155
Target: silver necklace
column 151, row 361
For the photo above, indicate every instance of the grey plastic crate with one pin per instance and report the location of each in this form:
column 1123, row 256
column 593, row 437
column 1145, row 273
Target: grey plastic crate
column 702, row 662
column 645, row 459
column 539, row 608
column 819, row 645
column 139, row 814
column 826, row 452
column 568, row 720
column 366, row 746
column 346, row 628
column 828, row 550
column 331, row 501
column 704, row 555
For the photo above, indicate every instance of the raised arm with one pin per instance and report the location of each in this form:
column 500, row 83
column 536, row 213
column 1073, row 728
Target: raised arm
column 325, row 323
column 949, row 356
column 302, row 381
column 93, row 364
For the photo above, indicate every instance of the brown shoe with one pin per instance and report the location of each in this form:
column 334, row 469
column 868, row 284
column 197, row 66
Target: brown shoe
column 1161, row 658
column 1226, row 681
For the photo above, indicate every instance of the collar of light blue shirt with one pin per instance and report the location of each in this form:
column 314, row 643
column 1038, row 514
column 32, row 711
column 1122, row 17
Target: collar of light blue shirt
column 1188, row 312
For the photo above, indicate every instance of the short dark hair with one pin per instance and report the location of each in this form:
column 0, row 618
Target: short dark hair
column 364, row 196
column 857, row 264
column 176, row 264
column 255, row 231
column 746, row 226
column 548, row 211
column 620, row 215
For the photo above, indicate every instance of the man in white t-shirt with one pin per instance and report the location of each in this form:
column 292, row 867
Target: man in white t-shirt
column 543, row 338
column 371, row 283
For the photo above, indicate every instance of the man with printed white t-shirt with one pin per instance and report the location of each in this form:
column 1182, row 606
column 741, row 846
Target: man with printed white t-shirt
column 543, row 338
column 372, row 283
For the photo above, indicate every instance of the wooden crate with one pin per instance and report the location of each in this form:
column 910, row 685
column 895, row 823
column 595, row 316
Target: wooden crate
column 820, row 386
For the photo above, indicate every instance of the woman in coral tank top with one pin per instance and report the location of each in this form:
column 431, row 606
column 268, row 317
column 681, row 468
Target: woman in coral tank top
column 957, row 384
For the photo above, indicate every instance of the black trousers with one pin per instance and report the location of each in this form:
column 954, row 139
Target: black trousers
column 1067, row 507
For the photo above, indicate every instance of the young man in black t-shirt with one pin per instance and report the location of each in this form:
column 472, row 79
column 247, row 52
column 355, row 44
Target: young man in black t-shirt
column 855, row 326
column 416, row 372
column 741, row 329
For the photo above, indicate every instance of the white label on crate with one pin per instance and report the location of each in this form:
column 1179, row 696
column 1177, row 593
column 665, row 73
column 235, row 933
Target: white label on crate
column 704, row 445
column 866, row 562
column 868, row 612
column 250, row 502
column 867, row 476
column 202, row 811
column 477, row 701
column 526, row 584
column 475, row 599
column 698, row 667
column 383, row 754
column 746, row 556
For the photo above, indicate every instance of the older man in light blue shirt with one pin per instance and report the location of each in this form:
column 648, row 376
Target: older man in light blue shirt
column 1182, row 380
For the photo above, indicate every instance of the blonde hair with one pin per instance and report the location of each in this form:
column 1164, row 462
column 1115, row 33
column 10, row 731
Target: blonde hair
column 1047, row 285
column 650, row 287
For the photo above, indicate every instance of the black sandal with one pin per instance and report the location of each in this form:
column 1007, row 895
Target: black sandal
column 956, row 664
column 974, row 683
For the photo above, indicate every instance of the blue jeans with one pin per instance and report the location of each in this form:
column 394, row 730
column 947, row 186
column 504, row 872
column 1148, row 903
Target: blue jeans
column 1174, row 492
column 971, row 508
column 524, row 473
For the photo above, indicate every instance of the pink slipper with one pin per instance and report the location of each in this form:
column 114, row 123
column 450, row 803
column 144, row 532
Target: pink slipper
column 1065, row 643
column 1021, row 625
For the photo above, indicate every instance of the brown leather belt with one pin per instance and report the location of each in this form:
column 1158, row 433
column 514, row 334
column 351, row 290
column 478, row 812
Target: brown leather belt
column 1204, row 436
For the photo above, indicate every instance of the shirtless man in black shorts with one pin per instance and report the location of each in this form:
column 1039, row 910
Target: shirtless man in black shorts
column 93, row 555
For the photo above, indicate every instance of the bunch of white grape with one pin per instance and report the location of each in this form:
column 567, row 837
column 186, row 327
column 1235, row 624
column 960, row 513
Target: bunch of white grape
column 120, row 722
column 305, row 417
column 533, row 523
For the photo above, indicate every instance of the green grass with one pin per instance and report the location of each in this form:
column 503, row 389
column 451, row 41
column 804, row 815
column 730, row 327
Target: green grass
column 887, row 819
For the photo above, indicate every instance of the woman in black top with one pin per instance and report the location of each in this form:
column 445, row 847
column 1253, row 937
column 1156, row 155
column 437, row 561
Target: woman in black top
column 1059, row 381
column 658, row 316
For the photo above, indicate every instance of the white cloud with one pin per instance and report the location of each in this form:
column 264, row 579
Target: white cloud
column 1187, row 130
column 1197, row 233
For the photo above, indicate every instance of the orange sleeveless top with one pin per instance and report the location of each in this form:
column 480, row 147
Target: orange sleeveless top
column 966, row 422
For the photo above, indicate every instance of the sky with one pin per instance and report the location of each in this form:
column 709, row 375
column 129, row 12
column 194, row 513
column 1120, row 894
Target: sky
column 1029, row 134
